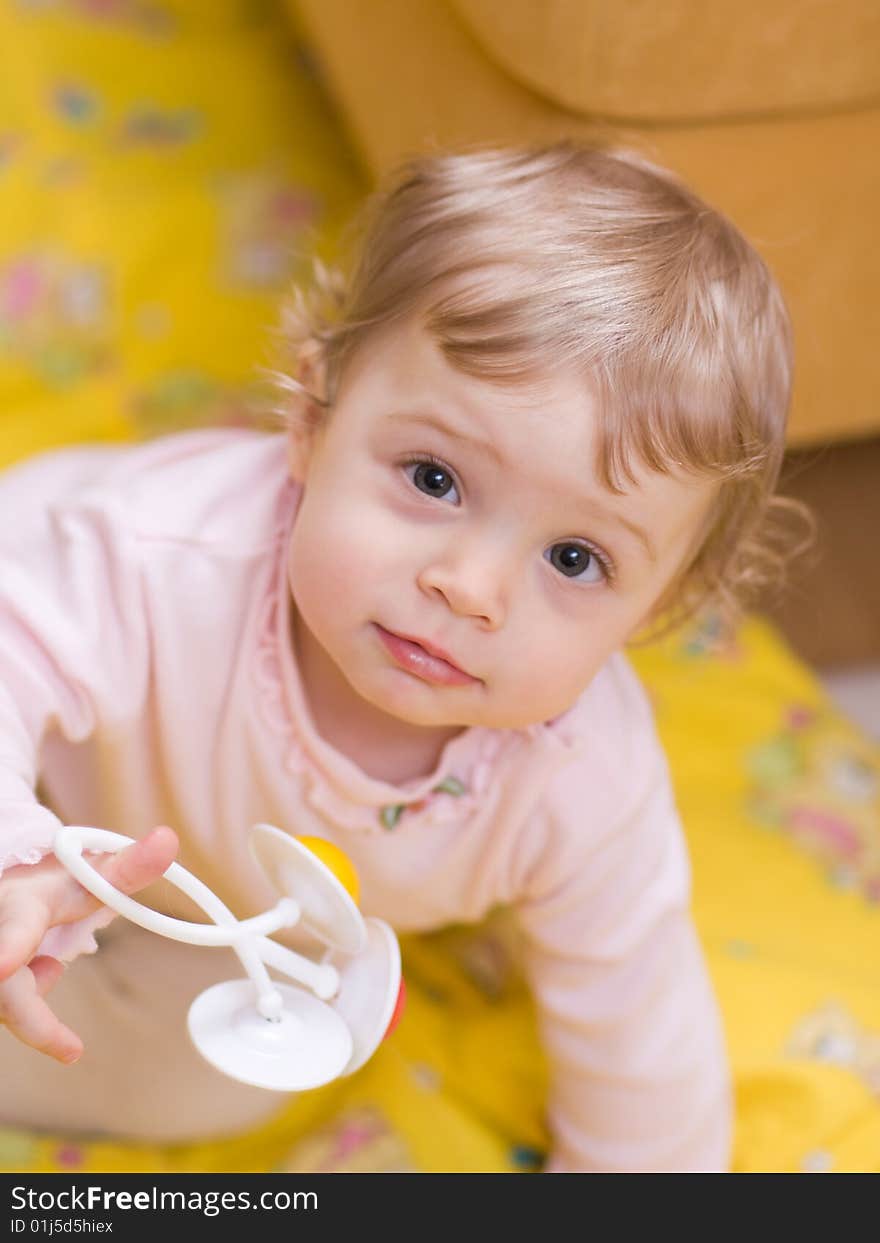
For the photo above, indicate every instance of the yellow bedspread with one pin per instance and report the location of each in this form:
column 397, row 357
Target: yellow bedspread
column 164, row 170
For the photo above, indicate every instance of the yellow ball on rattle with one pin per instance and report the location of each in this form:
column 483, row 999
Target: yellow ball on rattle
column 336, row 860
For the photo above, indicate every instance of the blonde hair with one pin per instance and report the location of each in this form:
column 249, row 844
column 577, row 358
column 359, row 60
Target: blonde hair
column 519, row 261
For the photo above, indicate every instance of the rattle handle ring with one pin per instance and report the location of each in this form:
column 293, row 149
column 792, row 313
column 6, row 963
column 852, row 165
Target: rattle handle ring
column 72, row 840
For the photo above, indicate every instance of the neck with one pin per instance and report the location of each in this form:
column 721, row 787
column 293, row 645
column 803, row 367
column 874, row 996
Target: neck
column 381, row 745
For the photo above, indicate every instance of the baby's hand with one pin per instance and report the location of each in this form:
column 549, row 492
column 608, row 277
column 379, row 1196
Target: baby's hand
column 37, row 897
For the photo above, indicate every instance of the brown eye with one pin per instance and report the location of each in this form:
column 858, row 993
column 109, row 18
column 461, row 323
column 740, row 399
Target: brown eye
column 576, row 561
column 432, row 479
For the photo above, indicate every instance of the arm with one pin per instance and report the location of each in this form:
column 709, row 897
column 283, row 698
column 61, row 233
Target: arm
column 73, row 653
column 639, row 1078
column 72, row 640
column 73, row 643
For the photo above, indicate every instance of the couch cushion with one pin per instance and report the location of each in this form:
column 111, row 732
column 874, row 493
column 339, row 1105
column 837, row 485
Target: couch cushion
column 684, row 59
column 164, row 169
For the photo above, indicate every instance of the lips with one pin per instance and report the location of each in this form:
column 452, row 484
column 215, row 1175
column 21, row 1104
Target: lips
column 423, row 659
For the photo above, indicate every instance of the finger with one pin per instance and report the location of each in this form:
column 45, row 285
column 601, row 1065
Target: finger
column 29, row 1019
column 23, row 923
column 143, row 862
column 46, row 972
column 128, row 870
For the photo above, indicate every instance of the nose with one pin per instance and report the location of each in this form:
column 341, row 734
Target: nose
column 470, row 576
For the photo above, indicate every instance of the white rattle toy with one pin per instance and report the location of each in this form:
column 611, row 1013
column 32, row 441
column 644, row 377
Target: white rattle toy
column 264, row 1033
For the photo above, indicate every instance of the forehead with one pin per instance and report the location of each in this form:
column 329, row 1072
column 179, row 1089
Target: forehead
column 404, row 367
column 402, row 370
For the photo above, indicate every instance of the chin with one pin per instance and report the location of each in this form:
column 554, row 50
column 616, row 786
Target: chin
column 415, row 709
column 429, row 716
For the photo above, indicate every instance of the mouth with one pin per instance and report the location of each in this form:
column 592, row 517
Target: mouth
column 424, row 659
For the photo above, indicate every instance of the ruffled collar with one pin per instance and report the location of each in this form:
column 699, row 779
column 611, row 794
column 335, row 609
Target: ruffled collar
column 332, row 783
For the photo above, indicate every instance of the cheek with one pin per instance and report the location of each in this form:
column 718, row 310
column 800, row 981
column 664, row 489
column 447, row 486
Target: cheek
column 561, row 670
column 556, row 658
column 544, row 688
column 340, row 552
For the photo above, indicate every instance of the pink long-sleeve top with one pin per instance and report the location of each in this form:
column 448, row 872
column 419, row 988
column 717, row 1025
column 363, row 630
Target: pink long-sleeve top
column 147, row 677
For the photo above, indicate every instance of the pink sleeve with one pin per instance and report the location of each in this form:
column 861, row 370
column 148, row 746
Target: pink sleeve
column 638, row 1070
column 66, row 591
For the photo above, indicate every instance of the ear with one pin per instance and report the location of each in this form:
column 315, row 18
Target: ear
column 308, row 409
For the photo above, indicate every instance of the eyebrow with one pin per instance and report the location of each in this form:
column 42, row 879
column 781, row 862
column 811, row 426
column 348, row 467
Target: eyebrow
column 433, row 420
column 491, row 450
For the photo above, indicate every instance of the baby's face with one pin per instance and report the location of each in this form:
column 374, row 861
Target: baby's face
column 455, row 557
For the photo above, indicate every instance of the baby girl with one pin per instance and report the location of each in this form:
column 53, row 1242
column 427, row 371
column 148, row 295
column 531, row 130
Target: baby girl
column 544, row 416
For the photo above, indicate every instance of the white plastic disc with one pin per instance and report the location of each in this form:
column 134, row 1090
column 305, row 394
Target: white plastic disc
column 328, row 909
column 309, row 1046
column 368, row 987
